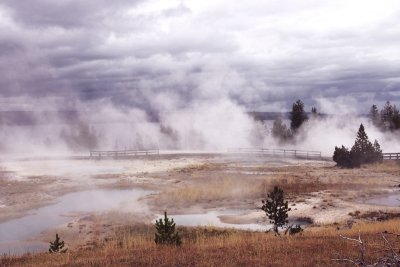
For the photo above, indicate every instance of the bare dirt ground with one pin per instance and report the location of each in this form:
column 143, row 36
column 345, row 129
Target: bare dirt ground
column 193, row 183
column 25, row 185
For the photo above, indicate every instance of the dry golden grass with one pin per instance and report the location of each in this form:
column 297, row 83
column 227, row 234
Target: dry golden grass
column 222, row 188
column 213, row 190
column 388, row 166
column 209, row 184
column 134, row 246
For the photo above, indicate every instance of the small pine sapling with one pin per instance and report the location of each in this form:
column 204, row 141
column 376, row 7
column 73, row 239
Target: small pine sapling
column 294, row 229
column 57, row 245
column 166, row 233
column 276, row 209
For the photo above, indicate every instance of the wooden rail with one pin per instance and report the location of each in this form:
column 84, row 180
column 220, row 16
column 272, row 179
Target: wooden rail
column 122, row 153
column 280, row 152
column 391, row 156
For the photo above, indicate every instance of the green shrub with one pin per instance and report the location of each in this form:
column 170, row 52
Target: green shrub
column 276, row 209
column 362, row 152
column 166, row 233
column 57, row 245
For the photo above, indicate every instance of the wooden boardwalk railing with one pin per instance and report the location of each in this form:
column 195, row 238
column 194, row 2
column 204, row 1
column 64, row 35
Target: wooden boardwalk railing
column 294, row 153
column 289, row 153
column 122, row 153
column 391, row 156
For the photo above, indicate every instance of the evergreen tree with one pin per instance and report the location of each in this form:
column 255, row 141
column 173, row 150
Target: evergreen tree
column 395, row 123
column 387, row 115
column 390, row 117
column 378, row 157
column 166, row 234
column 57, row 245
column 280, row 130
column 276, row 208
column 314, row 112
column 342, row 157
column 362, row 150
column 298, row 116
column 375, row 117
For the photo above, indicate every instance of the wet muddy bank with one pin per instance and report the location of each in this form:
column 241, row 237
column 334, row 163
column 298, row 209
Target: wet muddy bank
column 70, row 206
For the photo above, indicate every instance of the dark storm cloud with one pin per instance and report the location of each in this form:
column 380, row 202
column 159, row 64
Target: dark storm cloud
column 157, row 55
column 64, row 13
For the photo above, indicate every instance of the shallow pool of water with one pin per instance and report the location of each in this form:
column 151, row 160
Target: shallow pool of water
column 389, row 200
column 211, row 218
column 14, row 233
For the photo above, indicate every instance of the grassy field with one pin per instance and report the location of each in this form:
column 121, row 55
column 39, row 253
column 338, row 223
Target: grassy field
column 238, row 185
column 316, row 189
column 134, row 246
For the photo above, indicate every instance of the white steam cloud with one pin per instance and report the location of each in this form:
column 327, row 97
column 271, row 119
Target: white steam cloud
column 210, row 124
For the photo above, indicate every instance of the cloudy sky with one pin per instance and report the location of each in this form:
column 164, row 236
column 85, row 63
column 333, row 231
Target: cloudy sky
column 159, row 55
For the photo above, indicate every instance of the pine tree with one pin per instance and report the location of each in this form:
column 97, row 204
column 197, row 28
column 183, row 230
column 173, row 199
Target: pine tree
column 280, row 131
column 57, row 245
column 378, row 157
column 314, row 112
column 276, row 208
column 387, row 115
column 342, row 157
column 298, row 115
column 375, row 117
column 166, row 234
column 362, row 150
column 395, row 125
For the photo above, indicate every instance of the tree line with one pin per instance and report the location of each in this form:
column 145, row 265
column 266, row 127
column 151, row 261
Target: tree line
column 298, row 116
column 362, row 152
column 387, row 119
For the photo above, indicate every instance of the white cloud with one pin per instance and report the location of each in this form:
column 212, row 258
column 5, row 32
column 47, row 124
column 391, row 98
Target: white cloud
column 257, row 53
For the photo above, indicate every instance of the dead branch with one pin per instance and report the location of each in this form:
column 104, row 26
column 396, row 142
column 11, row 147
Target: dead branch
column 389, row 233
column 389, row 245
column 361, row 260
column 348, row 260
column 352, row 239
column 392, row 260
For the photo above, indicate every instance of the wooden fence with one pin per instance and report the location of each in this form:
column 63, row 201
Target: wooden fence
column 122, row 153
column 286, row 153
column 293, row 153
column 391, row 156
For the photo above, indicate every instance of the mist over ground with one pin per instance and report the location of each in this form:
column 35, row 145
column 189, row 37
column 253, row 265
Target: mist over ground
column 213, row 125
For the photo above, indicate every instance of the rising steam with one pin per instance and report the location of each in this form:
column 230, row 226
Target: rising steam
column 217, row 125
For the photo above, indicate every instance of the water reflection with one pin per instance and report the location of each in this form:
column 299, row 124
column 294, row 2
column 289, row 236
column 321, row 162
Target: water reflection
column 13, row 233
